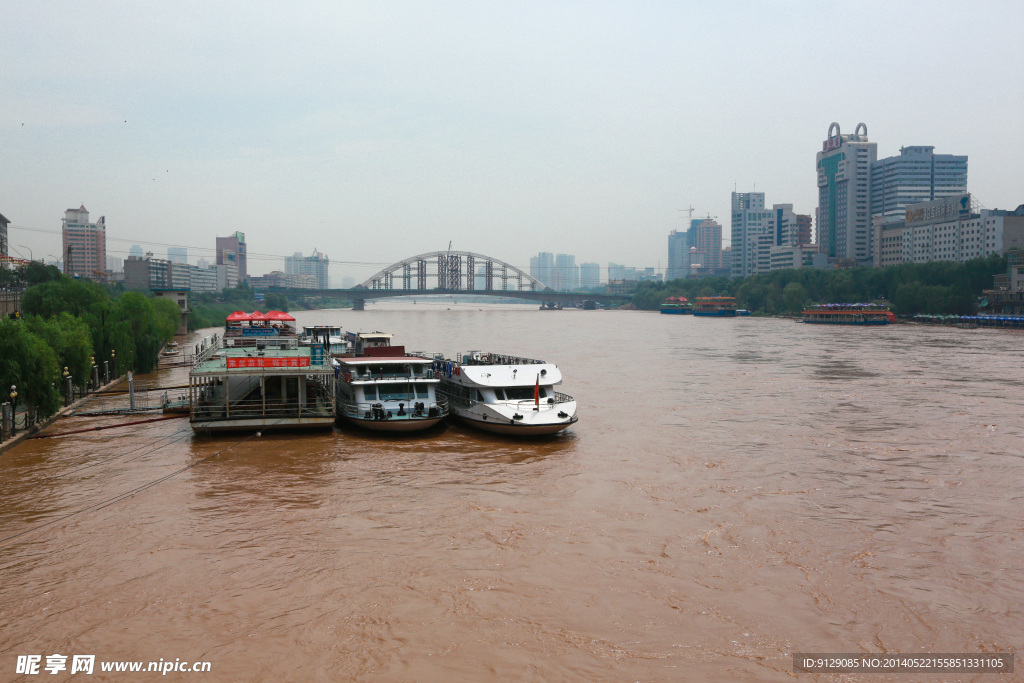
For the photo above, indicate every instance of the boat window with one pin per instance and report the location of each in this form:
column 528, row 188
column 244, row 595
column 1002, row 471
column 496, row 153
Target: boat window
column 370, row 393
column 499, row 394
column 422, row 391
column 519, row 393
column 479, row 396
column 394, row 392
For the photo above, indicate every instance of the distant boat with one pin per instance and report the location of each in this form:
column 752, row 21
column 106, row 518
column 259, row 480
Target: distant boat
column 849, row 314
column 715, row 306
column 676, row 305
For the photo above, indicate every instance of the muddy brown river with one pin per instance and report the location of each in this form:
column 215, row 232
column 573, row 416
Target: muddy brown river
column 735, row 491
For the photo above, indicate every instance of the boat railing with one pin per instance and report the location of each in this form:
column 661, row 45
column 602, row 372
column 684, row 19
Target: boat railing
column 409, row 410
column 563, row 398
column 478, row 358
column 370, row 377
column 318, row 402
column 206, row 351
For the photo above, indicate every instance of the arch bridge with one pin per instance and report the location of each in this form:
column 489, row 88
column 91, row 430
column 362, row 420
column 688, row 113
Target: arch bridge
column 454, row 272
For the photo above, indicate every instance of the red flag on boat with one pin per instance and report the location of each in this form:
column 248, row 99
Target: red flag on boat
column 536, row 391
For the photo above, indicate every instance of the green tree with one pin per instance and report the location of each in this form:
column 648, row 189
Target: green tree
column 794, row 295
column 275, row 302
column 27, row 362
column 71, row 341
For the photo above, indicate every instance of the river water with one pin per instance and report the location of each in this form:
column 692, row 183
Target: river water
column 735, row 491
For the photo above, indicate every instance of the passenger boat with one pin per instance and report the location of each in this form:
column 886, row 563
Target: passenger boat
column 716, row 306
column 849, row 314
column 676, row 305
column 506, row 394
column 329, row 335
column 260, row 381
column 388, row 390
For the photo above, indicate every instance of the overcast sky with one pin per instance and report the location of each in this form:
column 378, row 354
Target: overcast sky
column 374, row 131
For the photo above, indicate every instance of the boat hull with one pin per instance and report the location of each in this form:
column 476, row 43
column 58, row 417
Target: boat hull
column 260, row 424
column 847, row 322
column 676, row 311
column 513, row 427
column 394, row 426
column 715, row 314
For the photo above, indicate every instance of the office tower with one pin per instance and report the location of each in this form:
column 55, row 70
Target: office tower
column 844, row 200
column 749, row 221
column 3, row 235
column 85, row 244
column 135, row 251
column 308, row 272
column 177, row 254
column 917, row 175
column 566, row 274
column 235, row 245
column 678, row 255
column 542, row 267
column 706, row 239
column 590, row 275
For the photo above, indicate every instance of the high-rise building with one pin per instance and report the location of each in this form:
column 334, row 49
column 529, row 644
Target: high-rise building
column 542, row 267
column 590, row 275
column 308, row 272
column 235, row 244
column 678, row 255
column 917, row 175
column 3, row 235
column 177, row 254
column 844, row 194
column 750, row 220
column 706, row 245
column 566, row 273
column 135, row 251
column 85, row 244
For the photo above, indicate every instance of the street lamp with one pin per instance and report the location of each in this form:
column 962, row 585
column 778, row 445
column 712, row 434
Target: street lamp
column 14, row 409
column 30, row 258
column 113, row 361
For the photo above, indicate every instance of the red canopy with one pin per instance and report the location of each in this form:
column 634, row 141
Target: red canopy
column 279, row 315
column 256, row 315
column 237, row 316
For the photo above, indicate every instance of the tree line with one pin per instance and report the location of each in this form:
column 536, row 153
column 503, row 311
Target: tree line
column 64, row 323
column 936, row 287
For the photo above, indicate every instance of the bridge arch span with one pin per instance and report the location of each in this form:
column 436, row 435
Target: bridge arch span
column 453, row 271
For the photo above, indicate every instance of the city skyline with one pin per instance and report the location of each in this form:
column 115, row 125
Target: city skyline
column 504, row 131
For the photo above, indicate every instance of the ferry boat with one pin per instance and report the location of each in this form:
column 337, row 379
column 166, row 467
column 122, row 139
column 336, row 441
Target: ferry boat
column 388, row 390
column 330, row 335
column 506, row 394
column 271, row 383
column 849, row 314
column 676, row 305
column 716, row 306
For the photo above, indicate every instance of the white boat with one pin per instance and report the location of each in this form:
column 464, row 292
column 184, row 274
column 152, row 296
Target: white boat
column 331, row 335
column 388, row 390
column 506, row 394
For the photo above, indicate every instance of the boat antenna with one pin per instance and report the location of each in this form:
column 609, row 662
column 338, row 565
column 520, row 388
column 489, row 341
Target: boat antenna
column 449, row 245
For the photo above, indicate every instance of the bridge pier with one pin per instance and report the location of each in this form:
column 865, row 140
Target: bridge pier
column 359, row 304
